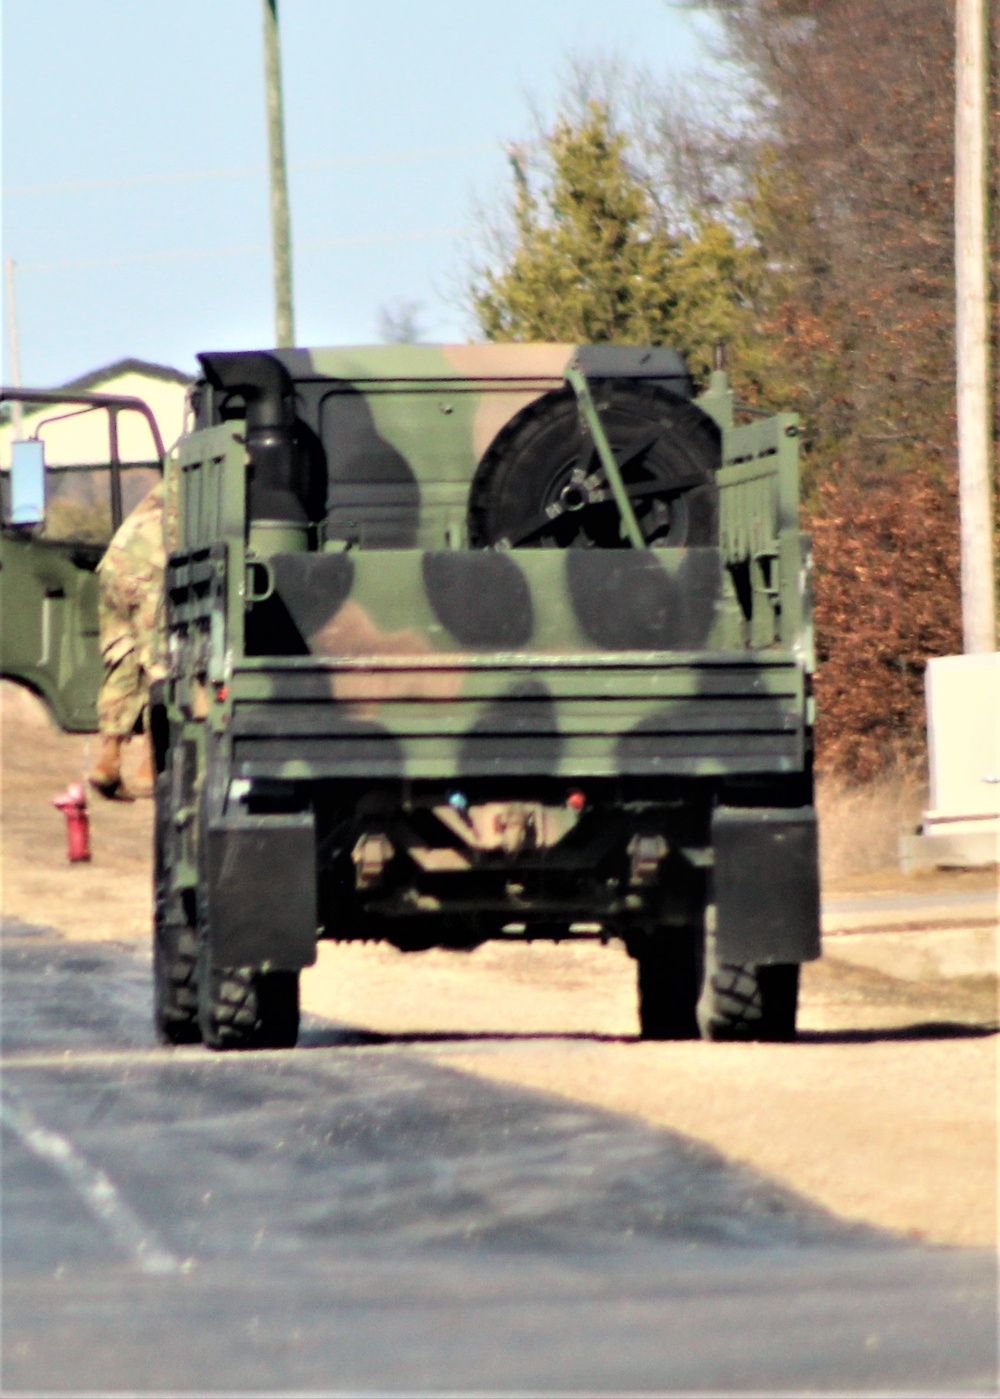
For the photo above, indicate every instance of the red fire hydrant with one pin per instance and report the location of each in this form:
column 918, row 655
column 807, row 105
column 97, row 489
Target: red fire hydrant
column 74, row 803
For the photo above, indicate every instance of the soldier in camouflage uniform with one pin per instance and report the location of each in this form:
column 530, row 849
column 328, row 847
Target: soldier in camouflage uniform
column 131, row 592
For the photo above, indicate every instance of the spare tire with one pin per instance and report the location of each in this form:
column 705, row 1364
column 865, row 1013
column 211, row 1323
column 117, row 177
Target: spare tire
column 541, row 484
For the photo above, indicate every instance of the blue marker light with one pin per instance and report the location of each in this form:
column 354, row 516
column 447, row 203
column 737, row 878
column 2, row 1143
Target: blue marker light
column 458, row 800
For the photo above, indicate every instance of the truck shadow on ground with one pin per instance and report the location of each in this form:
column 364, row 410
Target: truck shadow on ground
column 925, row 1030
column 316, row 1035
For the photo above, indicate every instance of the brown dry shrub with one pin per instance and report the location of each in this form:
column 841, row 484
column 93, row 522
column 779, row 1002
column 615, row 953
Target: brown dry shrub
column 887, row 597
column 860, row 824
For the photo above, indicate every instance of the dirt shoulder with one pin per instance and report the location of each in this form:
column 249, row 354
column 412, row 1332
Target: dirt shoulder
column 885, row 1111
column 109, row 897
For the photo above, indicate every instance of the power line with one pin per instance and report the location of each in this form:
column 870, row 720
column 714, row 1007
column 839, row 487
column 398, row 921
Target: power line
column 245, row 171
column 249, row 250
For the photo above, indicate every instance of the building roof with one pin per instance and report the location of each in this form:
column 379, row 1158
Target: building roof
column 127, row 366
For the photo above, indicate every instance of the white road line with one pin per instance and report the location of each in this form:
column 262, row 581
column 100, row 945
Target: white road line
column 133, row 1058
column 94, row 1188
column 105, row 1058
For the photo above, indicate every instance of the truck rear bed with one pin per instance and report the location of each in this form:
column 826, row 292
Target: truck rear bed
column 449, row 716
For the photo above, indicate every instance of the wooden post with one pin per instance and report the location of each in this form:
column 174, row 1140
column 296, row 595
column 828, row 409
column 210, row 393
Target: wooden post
column 281, row 236
column 16, row 409
column 975, row 438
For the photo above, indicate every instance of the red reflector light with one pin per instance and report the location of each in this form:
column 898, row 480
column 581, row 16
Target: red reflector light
column 576, row 801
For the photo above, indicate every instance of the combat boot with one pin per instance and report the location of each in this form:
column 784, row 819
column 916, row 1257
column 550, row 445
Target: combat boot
column 143, row 779
column 106, row 774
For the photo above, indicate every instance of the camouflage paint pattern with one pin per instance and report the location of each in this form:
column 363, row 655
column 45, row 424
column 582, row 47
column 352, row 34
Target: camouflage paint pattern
column 130, row 608
column 425, row 659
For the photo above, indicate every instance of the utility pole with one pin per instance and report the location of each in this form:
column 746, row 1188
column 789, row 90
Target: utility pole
column 975, row 438
column 16, row 413
column 281, row 237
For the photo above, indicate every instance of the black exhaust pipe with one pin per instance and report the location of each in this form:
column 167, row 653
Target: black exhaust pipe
column 275, row 491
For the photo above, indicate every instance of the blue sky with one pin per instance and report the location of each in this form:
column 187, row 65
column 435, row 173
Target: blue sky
column 135, row 199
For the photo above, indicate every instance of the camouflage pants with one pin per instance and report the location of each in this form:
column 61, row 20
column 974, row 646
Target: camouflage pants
column 129, row 616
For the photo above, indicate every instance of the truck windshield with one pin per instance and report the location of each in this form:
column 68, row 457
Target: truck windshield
column 78, row 499
column 80, row 444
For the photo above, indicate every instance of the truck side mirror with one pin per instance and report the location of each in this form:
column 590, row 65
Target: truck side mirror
column 27, row 482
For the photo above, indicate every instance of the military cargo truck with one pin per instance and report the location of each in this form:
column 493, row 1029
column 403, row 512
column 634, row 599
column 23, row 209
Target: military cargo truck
column 56, row 520
column 483, row 642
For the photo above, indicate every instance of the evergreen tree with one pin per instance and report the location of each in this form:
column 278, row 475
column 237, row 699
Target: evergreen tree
column 591, row 260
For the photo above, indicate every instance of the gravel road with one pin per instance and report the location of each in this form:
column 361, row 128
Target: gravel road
column 473, row 1175
column 360, row 1216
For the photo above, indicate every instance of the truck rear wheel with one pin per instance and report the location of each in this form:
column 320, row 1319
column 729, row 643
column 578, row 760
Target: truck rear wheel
column 175, row 984
column 244, row 1008
column 686, row 993
column 175, row 943
column 669, row 974
column 743, row 1001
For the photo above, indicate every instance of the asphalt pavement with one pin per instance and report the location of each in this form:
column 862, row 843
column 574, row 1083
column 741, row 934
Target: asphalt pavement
column 353, row 1217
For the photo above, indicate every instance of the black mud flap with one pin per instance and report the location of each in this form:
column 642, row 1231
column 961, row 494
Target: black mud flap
column 766, row 882
column 261, row 895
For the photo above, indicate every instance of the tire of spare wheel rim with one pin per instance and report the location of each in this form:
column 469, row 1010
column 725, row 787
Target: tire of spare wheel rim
column 668, row 452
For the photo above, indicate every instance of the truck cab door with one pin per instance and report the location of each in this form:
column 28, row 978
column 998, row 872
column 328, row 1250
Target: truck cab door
column 56, row 521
